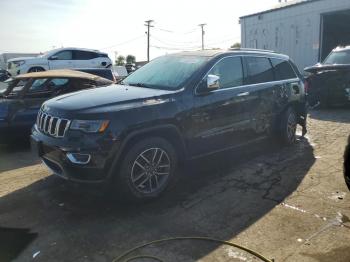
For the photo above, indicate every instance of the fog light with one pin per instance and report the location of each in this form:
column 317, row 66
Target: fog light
column 81, row 159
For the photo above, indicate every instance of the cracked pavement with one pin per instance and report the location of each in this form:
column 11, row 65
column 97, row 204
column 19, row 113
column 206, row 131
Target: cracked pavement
column 290, row 204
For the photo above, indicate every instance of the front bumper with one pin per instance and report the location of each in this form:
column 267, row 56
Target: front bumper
column 56, row 155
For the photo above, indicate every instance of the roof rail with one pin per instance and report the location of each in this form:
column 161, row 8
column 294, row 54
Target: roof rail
column 253, row 49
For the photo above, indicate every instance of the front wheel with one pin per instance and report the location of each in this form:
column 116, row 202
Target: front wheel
column 288, row 127
column 147, row 169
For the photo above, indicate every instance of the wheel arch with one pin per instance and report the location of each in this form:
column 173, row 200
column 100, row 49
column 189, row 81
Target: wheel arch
column 168, row 132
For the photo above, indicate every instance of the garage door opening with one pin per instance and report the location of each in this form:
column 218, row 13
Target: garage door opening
column 335, row 31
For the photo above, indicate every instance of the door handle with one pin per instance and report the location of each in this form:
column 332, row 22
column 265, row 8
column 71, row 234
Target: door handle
column 243, row 94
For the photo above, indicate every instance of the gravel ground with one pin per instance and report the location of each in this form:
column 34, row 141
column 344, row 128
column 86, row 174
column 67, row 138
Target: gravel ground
column 290, row 204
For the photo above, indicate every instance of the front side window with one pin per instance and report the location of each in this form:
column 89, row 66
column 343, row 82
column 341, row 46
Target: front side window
column 166, row 72
column 259, row 70
column 338, row 57
column 230, row 72
column 64, row 55
column 283, row 69
column 38, row 86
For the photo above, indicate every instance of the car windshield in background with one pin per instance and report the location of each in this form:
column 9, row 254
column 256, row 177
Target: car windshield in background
column 338, row 57
column 167, row 72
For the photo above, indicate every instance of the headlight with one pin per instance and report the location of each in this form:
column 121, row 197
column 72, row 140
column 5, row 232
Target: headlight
column 90, row 126
column 19, row 63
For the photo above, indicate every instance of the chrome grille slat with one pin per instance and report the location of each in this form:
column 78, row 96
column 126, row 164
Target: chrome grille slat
column 51, row 125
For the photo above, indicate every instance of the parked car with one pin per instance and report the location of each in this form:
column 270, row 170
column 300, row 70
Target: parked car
column 177, row 107
column 22, row 97
column 4, row 75
column 347, row 164
column 62, row 58
column 328, row 82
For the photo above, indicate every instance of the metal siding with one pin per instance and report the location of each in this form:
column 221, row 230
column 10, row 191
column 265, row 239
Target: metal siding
column 294, row 31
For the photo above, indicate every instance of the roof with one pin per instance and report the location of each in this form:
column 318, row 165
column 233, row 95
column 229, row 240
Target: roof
column 215, row 52
column 280, row 6
column 63, row 73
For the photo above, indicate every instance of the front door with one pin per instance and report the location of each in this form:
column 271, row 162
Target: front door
column 221, row 118
column 62, row 60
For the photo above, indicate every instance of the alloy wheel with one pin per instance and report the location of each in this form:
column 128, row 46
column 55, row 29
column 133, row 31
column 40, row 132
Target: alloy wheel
column 150, row 170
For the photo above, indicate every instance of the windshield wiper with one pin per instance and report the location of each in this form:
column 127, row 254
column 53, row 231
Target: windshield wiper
column 139, row 85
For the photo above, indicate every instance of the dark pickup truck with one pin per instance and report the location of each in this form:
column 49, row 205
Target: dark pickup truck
column 22, row 96
column 329, row 82
column 177, row 107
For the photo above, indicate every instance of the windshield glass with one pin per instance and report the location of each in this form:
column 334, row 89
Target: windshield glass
column 167, row 72
column 338, row 57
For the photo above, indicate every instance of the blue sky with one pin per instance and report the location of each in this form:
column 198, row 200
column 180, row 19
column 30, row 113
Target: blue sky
column 116, row 26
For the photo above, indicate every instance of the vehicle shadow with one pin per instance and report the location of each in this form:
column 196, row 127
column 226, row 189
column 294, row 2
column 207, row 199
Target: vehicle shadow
column 218, row 196
column 343, row 115
column 16, row 155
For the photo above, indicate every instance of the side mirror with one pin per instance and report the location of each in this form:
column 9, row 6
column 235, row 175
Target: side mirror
column 213, row 82
column 54, row 57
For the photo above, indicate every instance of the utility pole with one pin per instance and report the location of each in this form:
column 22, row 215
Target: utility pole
column 203, row 32
column 148, row 24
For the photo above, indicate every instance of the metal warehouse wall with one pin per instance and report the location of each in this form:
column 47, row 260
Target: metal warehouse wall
column 294, row 30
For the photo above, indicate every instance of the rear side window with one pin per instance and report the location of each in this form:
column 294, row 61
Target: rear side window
column 230, row 72
column 84, row 55
column 283, row 69
column 259, row 70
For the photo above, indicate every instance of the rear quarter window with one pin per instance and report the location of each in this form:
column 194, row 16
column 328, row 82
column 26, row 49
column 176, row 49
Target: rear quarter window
column 259, row 70
column 283, row 69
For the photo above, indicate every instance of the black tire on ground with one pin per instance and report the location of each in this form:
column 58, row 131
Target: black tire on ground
column 147, row 169
column 288, row 125
column 36, row 69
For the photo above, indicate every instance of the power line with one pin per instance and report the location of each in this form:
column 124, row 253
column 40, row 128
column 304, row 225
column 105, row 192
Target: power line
column 175, row 32
column 123, row 43
column 173, row 43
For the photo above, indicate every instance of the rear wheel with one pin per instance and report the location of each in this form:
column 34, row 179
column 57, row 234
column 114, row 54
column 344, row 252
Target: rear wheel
column 288, row 127
column 147, row 169
column 36, row 69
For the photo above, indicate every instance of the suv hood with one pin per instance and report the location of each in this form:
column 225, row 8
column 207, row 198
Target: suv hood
column 326, row 67
column 108, row 98
column 21, row 58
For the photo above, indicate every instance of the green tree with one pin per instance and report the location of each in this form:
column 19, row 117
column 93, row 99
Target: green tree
column 130, row 59
column 236, row 45
column 120, row 61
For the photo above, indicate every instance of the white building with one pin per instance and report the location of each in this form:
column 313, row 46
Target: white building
column 6, row 56
column 306, row 30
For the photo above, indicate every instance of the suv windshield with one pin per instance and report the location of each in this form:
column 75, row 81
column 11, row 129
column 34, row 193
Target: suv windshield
column 167, row 72
column 338, row 57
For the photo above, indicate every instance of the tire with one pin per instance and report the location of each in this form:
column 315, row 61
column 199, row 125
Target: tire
column 36, row 69
column 147, row 169
column 288, row 125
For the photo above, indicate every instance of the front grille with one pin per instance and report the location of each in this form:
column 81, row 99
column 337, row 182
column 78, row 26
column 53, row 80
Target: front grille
column 51, row 125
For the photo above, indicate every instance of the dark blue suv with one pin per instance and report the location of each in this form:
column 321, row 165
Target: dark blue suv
column 180, row 106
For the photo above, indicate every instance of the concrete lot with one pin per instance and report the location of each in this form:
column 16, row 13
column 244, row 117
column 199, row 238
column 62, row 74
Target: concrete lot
column 290, row 204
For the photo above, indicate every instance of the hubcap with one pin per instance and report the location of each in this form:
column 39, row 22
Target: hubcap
column 150, row 170
column 291, row 127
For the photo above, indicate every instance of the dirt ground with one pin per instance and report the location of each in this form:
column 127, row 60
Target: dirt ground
column 289, row 204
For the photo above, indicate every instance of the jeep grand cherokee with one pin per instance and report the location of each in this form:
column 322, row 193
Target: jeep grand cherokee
column 179, row 106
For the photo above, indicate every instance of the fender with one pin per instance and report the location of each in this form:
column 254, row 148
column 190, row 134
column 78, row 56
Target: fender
column 148, row 130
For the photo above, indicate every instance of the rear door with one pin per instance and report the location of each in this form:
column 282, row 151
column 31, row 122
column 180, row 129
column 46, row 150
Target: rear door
column 261, row 88
column 85, row 59
column 221, row 118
